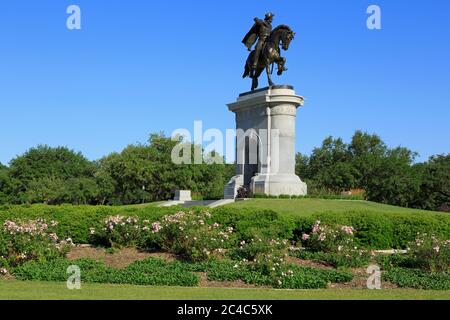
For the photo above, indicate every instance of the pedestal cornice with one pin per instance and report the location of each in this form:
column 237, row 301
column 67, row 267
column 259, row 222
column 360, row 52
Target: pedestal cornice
column 267, row 97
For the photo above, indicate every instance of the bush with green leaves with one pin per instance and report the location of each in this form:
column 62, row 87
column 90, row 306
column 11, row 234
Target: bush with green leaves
column 192, row 235
column 76, row 222
column 154, row 271
column 119, row 231
column 430, row 253
column 290, row 277
column 325, row 238
column 32, row 240
column 334, row 245
column 397, row 260
column 146, row 272
column 382, row 230
column 418, row 279
column 351, row 259
column 372, row 230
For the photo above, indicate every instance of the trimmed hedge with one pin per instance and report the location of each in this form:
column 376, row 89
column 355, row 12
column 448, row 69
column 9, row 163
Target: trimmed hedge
column 373, row 230
column 75, row 221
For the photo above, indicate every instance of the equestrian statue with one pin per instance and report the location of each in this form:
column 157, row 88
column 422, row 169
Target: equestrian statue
column 267, row 49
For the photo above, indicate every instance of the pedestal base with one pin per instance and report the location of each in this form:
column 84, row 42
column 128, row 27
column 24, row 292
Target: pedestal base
column 278, row 184
column 265, row 147
column 268, row 184
column 232, row 187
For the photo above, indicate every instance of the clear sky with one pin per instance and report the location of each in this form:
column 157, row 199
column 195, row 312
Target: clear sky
column 142, row 66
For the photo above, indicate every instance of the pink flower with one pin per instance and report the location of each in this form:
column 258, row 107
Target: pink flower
column 316, row 227
column 347, row 229
column 53, row 236
column 305, row 237
column 156, row 226
column 3, row 271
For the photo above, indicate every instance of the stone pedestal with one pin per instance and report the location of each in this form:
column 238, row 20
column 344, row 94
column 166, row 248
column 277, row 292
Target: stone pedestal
column 182, row 195
column 265, row 144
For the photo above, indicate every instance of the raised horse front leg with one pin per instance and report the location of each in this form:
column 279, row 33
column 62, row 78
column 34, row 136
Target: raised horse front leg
column 281, row 65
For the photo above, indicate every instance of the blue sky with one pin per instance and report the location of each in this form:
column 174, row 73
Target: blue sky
column 141, row 66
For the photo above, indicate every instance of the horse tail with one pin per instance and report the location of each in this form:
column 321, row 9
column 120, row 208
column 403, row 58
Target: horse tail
column 248, row 64
column 246, row 71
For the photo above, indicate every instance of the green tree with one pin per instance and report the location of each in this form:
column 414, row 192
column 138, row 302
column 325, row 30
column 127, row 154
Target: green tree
column 41, row 174
column 330, row 166
column 435, row 183
column 394, row 180
column 146, row 172
column 5, row 184
column 367, row 152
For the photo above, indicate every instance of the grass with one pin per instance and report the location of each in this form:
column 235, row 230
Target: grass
column 14, row 290
column 308, row 206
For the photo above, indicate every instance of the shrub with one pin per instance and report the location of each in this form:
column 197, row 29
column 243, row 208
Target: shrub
column 297, row 277
column 418, row 279
column 225, row 270
column 249, row 251
column 189, row 235
column 153, row 271
column 305, row 278
column 32, row 240
column 430, row 253
column 334, row 245
column 387, row 262
column 146, row 272
column 119, row 231
column 290, row 277
column 325, row 238
column 381, row 230
column 265, row 223
column 76, row 221
column 352, row 259
column 384, row 230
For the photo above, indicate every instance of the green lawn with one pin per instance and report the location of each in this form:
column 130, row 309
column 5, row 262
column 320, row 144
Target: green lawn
column 10, row 290
column 307, row 206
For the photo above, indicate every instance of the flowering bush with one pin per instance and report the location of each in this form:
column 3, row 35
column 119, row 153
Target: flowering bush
column 430, row 253
column 333, row 245
column 32, row 240
column 266, row 257
column 325, row 238
column 189, row 234
column 119, row 231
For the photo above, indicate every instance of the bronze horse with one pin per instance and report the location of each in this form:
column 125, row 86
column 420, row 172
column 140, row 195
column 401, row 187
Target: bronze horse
column 269, row 55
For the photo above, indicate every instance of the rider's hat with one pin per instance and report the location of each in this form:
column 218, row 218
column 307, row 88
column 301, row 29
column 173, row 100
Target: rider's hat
column 269, row 15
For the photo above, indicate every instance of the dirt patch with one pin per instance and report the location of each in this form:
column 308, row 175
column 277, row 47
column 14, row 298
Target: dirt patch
column 120, row 259
column 308, row 263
